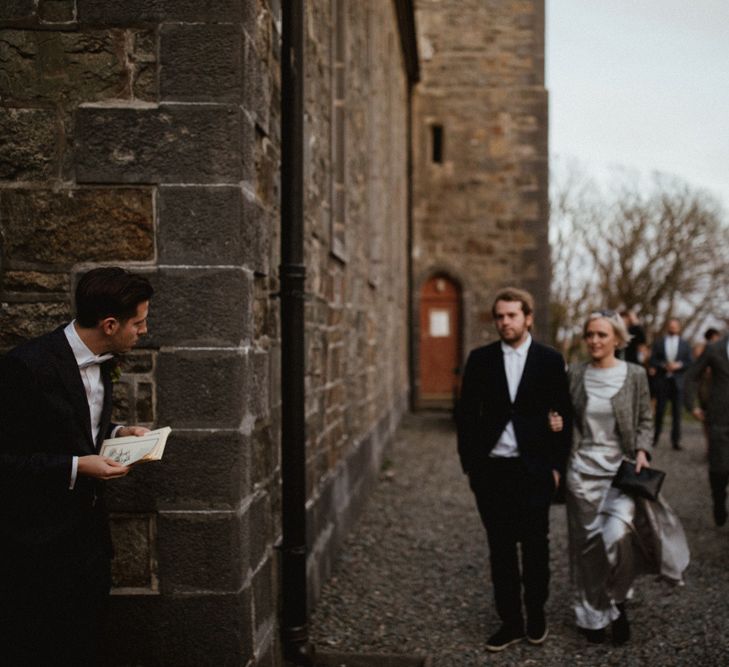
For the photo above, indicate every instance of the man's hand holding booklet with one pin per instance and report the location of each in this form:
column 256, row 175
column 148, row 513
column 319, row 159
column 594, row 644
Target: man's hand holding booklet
column 136, row 448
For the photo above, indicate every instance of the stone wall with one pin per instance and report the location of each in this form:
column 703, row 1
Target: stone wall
column 146, row 133
column 356, row 376
column 480, row 213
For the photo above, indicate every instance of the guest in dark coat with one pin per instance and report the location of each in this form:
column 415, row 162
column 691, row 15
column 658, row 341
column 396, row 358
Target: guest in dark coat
column 715, row 416
column 513, row 461
column 670, row 357
column 55, row 410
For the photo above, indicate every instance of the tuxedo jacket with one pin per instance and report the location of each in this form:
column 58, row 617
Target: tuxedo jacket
column 658, row 359
column 44, row 422
column 717, row 411
column 715, row 358
column 485, row 408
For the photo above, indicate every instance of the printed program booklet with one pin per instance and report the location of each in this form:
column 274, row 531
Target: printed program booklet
column 136, row 448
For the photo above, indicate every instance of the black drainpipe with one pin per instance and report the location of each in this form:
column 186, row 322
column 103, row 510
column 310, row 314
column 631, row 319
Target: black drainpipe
column 294, row 617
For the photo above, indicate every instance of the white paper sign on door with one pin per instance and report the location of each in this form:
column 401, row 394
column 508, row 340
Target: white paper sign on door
column 440, row 324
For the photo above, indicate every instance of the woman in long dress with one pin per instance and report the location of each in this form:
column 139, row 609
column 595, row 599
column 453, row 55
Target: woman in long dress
column 612, row 537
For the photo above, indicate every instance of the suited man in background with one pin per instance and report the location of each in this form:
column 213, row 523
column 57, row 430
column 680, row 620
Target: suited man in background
column 513, row 461
column 55, row 410
column 716, row 417
column 670, row 357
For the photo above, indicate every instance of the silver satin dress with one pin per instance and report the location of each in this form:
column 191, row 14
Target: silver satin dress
column 612, row 537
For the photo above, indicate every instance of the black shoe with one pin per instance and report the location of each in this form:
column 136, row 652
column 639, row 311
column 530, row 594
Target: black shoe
column 593, row 636
column 719, row 515
column 536, row 629
column 621, row 627
column 504, row 636
column 677, row 446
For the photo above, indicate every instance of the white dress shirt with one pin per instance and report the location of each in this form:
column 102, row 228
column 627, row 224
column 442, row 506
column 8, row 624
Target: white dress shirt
column 88, row 366
column 514, row 360
column 671, row 349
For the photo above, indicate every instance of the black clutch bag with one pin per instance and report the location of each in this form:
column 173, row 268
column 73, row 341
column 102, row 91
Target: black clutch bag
column 646, row 484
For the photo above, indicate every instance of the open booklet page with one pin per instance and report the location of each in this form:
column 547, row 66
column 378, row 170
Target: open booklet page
column 133, row 449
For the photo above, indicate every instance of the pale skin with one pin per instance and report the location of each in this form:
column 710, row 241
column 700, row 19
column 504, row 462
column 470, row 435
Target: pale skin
column 601, row 344
column 117, row 336
column 513, row 327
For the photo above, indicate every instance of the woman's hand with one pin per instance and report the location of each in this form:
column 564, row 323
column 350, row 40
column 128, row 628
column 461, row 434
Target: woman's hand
column 556, row 423
column 641, row 461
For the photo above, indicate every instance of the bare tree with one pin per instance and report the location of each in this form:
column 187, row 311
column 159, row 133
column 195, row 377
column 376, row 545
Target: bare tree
column 661, row 250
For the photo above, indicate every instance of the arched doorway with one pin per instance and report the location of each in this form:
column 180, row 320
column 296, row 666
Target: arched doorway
column 440, row 342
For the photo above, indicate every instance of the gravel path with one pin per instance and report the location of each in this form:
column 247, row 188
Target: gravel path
column 413, row 579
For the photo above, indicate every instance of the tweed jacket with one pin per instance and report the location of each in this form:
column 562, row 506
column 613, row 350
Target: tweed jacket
column 631, row 405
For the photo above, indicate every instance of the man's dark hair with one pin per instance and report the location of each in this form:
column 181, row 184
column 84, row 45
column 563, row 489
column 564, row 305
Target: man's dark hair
column 514, row 294
column 109, row 292
column 710, row 333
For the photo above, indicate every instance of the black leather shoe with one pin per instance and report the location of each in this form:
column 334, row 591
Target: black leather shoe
column 621, row 627
column 504, row 637
column 593, row 636
column 719, row 515
column 677, row 446
column 536, row 629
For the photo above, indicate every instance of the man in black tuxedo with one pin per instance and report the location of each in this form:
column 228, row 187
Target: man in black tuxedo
column 55, row 410
column 513, row 461
column 670, row 358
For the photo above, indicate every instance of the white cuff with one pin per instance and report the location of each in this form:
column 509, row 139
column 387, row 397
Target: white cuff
column 116, row 430
column 74, row 472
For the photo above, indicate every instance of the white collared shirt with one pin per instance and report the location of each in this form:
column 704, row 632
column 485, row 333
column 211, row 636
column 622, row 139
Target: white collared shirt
column 90, row 371
column 671, row 348
column 514, row 361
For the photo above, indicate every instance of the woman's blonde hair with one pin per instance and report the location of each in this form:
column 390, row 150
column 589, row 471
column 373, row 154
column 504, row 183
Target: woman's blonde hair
column 619, row 329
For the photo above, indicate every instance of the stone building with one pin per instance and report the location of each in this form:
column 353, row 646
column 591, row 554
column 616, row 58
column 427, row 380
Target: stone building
column 480, row 177
column 149, row 134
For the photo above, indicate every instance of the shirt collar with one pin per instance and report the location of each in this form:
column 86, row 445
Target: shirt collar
column 83, row 355
column 521, row 350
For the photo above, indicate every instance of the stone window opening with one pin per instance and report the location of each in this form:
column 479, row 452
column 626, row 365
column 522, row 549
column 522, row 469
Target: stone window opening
column 437, row 144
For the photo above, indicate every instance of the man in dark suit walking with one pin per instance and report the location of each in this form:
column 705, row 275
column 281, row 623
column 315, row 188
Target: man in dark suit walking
column 670, row 357
column 716, row 418
column 513, row 461
column 55, row 410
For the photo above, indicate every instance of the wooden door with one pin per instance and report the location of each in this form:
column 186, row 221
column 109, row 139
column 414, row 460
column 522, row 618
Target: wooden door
column 440, row 336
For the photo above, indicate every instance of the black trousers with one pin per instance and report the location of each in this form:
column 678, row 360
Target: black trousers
column 514, row 508
column 668, row 391
column 54, row 606
column 718, row 482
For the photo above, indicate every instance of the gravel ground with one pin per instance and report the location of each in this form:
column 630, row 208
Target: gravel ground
column 413, row 575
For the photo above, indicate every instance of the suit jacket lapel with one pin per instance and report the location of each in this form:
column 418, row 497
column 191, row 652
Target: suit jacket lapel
column 722, row 353
column 107, row 407
column 526, row 375
column 503, row 383
column 68, row 371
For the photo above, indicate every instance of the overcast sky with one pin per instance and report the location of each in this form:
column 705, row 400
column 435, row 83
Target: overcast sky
column 642, row 84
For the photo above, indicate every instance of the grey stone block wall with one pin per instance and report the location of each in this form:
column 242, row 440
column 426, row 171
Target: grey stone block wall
column 357, row 336
column 126, row 138
column 481, row 215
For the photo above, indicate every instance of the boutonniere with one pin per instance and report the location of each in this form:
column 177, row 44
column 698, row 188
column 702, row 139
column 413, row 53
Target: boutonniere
column 114, row 369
